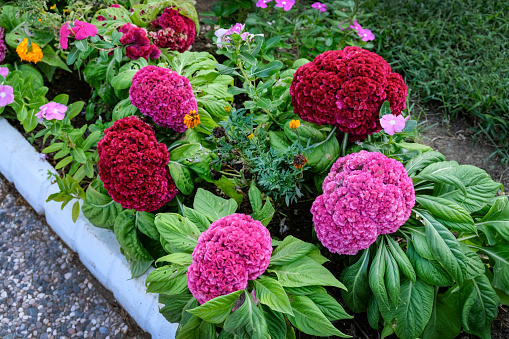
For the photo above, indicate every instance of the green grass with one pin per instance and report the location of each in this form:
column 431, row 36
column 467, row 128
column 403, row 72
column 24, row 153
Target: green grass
column 453, row 54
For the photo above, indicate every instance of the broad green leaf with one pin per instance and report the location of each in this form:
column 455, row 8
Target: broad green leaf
column 218, row 309
column 168, row 280
column 212, row 206
column 138, row 268
column 429, row 270
column 182, row 177
column 443, row 178
column 180, row 234
column 75, row 211
column 423, row 161
column 496, row 221
column 145, row 223
column 480, row 303
column 248, row 321
column 329, row 306
column 355, row 278
column 275, row 323
column 264, row 71
column 197, row 218
column 392, row 280
column 445, row 322
column 227, row 185
column 377, row 278
column 270, row 292
column 177, row 258
column 385, row 109
column 449, row 211
column 290, row 250
column 401, row 258
column 309, row 319
column 499, row 253
column 124, row 79
column 255, row 198
column 127, row 236
column 99, row 208
column 299, row 62
column 173, row 305
column 373, row 313
column 195, row 328
column 305, row 272
column 414, row 310
column 266, row 213
column 51, row 58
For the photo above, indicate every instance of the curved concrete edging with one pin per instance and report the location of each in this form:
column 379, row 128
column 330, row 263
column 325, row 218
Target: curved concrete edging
column 98, row 248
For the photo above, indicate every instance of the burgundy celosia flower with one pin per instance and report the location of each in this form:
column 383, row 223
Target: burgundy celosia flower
column 163, row 95
column 133, row 166
column 2, row 45
column 139, row 43
column 365, row 194
column 346, row 89
column 177, row 31
column 232, row 251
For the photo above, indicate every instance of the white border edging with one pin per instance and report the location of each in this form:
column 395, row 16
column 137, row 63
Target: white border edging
column 98, row 248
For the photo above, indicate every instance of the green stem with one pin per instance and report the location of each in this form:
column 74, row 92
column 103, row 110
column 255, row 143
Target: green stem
column 344, row 144
column 232, row 174
column 326, row 139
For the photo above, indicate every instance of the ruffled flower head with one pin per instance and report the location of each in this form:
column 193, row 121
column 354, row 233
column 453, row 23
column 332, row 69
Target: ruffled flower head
column 365, row 194
column 3, row 48
column 175, row 31
column 139, row 43
column 346, row 89
column 232, row 251
column 133, row 166
column 164, row 96
column 32, row 53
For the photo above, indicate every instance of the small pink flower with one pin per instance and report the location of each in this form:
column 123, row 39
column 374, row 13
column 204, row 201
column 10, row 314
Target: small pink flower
column 319, row 6
column 392, row 124
column 4, row 71
column 366, row 34
column 65, row 31
column 237, row 28
column 285, row 4
column 52, row 110
column 115, row 6
column 83, row 30
column 6, row 95
column 222, row 36
column 262, row 3
column 244, row 36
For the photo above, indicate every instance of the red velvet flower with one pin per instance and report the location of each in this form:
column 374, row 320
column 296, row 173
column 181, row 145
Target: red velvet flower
column 177, row 32
column 139, row 43
column 133, row 166
column 346, row 89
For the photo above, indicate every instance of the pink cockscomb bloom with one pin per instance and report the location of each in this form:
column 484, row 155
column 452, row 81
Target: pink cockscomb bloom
column 4, row 71
column 6, row 95
column 232, row 251
column 3, row 48
column 52, row 110
column 365, row 194
column 346, row 89
column 392, row 124
column 262, row 3
column 175, row 31
column 285, row 4
column 133, row 166
column 164, row 96
column 319, row 6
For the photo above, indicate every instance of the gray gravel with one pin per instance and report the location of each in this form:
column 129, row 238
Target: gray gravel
column 45, row 292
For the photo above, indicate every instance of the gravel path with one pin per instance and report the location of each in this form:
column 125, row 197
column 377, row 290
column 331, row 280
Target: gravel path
column 45, row 291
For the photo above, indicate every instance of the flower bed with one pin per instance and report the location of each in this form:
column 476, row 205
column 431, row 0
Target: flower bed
column 194, row 166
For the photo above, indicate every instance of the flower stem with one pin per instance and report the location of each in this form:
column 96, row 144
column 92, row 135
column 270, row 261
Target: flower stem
column 344, row 144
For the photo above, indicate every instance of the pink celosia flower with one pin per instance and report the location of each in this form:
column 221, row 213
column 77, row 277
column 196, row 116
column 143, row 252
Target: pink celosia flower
column 232, row 251
column 6, row 95
column 163, row 95
column 140, row 46
column 52, row 110
column 4, row 71
column 3, row 48
column 319, row 6
column 285, row 4
column 262, row 3
column 177, row 32
column 392, row 124
column 365, row 194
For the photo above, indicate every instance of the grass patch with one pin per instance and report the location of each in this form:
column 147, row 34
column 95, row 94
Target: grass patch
column 454, row 53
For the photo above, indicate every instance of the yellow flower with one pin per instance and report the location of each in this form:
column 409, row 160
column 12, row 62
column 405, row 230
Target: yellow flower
column 53, row 7
column 192, row 119
column 227, row 108
column 40, row 20
column 66, row 11
column 30, row 54
column 294, row 124
column 250, row 136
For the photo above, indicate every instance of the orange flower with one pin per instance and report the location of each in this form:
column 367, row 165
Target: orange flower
column 192, row 119
column 294, row 124
column 53, row 7
column 299, row 160
column 251, row 136
column 227, row 108
column 30, row 54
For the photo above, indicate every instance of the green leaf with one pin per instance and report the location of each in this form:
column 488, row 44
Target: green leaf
column 392, row 281
column 480, row 303
column 212, row 206
column 499, row 253
column 355, row 278
column 195, row 328
column 177, row 258
column 385, row 109
column 173, row 305
column 329, row 306
column 180, row 234
column 401, row 258
column 422, row 161
column 309, row 319
column 145, row 223
column 10, row 19
column 51, row 58
column 57, row 146
column 182, row 177
column 249, row 59
column 75, row 211
column 414, row 310
column 167, row 279
column 266, row 213
column 218, row 309
column 373, row 313
column 92, row 140
column 255, row 198
column 290, row 250
column 248, row 321
column 429, row 271
column 443, row 178
column 138, row 268
column 377, row 278
column 448, row 210
column 496, row 221
column 99, row 208
column 74, row 109
column 275, row 323
column 124, row 79
column 197, row 218
column 264, row 71
column 270, row 292
column 79, row 155
column 300, row 62
column 127, row 236
column 227, row 185
column 64, row 162
column 305, row 272
column 445, row 322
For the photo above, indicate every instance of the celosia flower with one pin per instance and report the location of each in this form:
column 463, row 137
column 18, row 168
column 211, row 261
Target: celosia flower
column 4, row 71
column 192, row 119
column 346, row 89
column 177, row 33
column 52, row 110
column 262, row 3
column 232, row 251
column 30, row 54
column 6, row 95
column 81, row 30
column 285, row 4
column 299, row 161
column 392, row 124
column 163, row 95
column 140, row 46
column 294, row 124
column 133, row 166
column 318, row 6
column 365, row 194
column 2, row 45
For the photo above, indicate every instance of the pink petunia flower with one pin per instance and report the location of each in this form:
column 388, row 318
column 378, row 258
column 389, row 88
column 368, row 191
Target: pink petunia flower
column 366, row 34
column 319, row 6
column 285, row 4
column 6, row 95
column 83, row 30
column 52, row 110
column 393, row 124
column 262, row 3
column 4, row 71
column 65, row 31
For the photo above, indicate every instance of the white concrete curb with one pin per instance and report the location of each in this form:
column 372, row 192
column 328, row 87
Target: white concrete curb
column 98, row 248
